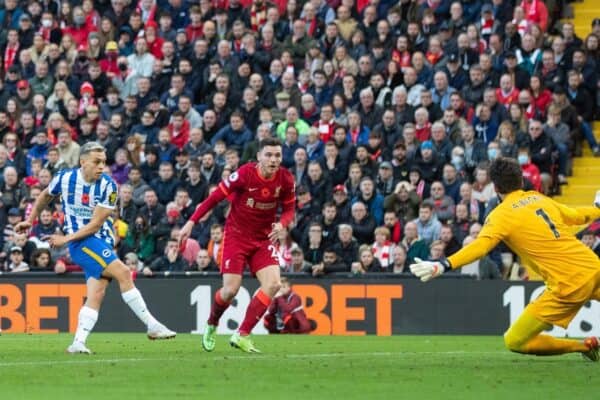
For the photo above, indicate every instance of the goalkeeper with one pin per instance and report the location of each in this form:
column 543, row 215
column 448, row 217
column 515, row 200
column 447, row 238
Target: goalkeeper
column 536, row 229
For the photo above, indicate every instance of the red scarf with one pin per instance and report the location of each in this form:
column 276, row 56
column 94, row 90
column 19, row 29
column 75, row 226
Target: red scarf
column 401, row 59
column 486, row 26
column 354, row 135
column 312, row 26
column 9, row 56
column 433, row 58
column 258, row 17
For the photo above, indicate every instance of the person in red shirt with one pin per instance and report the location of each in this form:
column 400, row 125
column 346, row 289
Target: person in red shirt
column 179, row 128
column 507, row 93
column 256, row 191
column 422, row 124
column 541, row 96
column 530, row 171
column 195, row 29
column 536, row 13
column 109, row 64
column 153, row 41
column 286, row 314
column 326, row 123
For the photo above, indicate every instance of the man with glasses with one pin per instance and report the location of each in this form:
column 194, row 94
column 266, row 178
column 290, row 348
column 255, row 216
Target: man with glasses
column 540, row 148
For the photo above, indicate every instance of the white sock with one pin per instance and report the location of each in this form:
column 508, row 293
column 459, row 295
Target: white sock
column 87, row 319
column 136, row 302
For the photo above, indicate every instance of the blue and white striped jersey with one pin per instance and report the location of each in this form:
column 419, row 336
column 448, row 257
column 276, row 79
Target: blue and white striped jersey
column 79, row 198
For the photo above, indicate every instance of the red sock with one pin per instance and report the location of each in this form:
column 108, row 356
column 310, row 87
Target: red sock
column 218, row 308
column 257, row 307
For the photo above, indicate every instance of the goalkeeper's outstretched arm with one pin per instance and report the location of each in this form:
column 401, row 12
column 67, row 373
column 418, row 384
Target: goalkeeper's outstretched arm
column 472, row 252
column 426, row 270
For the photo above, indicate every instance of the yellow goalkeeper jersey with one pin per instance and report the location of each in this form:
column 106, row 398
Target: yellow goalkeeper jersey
column 537, row 229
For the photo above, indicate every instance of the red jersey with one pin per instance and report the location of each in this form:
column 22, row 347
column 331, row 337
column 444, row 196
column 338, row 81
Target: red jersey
column 508, row 99
column 254, row 201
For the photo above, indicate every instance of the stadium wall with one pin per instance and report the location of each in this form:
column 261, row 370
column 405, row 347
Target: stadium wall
column 339, row 306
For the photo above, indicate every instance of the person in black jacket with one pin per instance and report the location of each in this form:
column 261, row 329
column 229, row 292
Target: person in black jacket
column 362, row 223
column 166, row 184
column 171, row 261
column 347, row 247
column 331, row 263
column 540, row 148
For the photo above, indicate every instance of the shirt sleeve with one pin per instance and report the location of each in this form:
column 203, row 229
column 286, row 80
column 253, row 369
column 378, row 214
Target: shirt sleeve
column 495, row 229
column 54, row 188
column 579, row 215
column 236, row 182
column 109, row 197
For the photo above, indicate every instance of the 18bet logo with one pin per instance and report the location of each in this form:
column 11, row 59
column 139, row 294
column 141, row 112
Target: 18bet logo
column 585, row 323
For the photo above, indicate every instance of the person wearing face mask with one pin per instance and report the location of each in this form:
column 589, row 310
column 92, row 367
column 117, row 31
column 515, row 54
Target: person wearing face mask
column 49, row 29
column 457, row 159
column 530, row 171
column 493, row 150
column 80, row 30
column 139, row 239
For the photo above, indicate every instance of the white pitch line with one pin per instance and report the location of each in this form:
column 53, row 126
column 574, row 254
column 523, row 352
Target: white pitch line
column 86, row 359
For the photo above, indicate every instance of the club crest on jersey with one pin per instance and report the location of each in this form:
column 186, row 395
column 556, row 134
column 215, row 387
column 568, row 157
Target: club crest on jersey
column 112, row 198
column 85, row 199
column 277, row 190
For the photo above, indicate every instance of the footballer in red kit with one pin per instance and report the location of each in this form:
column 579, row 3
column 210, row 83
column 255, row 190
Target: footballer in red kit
column 258, row 193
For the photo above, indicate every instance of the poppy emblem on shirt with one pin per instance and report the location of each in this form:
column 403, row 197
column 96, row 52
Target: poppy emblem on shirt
column 265, row 192
column 85, row 198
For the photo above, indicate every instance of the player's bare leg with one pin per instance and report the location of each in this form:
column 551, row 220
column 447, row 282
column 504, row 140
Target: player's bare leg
column 524, row 336
column 88, row 315
column 133, row 298
column 269, row 279
column 222, row 300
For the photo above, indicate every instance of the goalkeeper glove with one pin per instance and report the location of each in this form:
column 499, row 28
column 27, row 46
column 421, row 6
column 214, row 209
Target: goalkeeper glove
column 426, row 270
column 597, row 201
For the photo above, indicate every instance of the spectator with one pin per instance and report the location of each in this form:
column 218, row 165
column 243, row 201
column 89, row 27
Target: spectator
column 204, row 262
column 171, row 261
column 298, row 263
column 41, row 260
column 139, row 239
column 16, row 263
column 46, row 225
column 442, row 205
column 427, row 224
column 366, row 263
column 383, row 247
column 416, row 247
column 332, row 262
column 285, row 314
column 591, row 240
column 399, row 264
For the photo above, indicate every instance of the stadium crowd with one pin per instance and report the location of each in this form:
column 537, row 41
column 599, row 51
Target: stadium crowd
column 388, row 112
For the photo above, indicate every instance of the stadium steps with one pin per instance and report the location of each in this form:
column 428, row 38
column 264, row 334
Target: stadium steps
column 584, row 13
column 585, row 181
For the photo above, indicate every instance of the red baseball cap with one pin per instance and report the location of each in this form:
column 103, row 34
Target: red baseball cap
column 22, row 84
column 340, row 188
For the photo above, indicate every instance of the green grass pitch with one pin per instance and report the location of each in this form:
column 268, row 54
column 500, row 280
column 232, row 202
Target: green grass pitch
column 128, row 366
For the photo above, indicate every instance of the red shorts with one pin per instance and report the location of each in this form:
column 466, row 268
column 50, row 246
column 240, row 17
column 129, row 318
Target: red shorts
column 239, row 252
